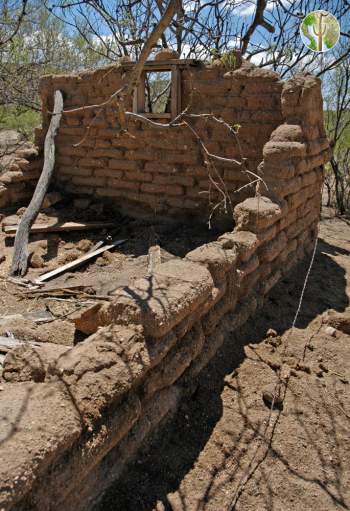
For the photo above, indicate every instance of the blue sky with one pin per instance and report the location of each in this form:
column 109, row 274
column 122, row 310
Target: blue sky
column 243, row 12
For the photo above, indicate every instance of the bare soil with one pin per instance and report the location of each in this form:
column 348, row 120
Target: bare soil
column 226, row 448
column 100, row 277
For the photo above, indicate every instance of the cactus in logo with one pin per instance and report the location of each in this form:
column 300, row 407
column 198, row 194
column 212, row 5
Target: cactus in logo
column 320, row 31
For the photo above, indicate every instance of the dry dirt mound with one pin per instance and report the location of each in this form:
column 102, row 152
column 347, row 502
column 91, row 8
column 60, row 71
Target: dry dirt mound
column 226, row 449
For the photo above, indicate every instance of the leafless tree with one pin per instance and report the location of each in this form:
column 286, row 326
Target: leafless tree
column 12, row 15
column 337, row 117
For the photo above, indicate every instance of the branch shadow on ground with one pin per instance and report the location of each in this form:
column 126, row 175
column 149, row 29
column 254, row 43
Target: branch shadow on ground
column 175, row 448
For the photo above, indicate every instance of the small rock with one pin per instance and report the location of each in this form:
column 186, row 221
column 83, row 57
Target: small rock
column 271, row 333
column 36, row 261
column 108, row 256
column 84, row 245
column 331, row 331
column 69, row 245
column 166, row 54
column 2, row 258
column 100, row 261
column 340, row 321
column 69, row 256
column 272, row 396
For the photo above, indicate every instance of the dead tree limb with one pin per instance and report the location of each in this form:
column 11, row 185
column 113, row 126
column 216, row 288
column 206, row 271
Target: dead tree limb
column 118, row 97
column 258, row 20
column 20, row 257
column 17, row 26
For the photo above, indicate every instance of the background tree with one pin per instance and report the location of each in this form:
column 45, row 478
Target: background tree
column 41, row 44
column 337, row 117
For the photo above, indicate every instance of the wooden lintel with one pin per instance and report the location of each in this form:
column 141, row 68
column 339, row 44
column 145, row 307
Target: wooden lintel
column 61, row 226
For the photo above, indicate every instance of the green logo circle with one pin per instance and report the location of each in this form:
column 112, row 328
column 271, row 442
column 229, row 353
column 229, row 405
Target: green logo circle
column 320, row 31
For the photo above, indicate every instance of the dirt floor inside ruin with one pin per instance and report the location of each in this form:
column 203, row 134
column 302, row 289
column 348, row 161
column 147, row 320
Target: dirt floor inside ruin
column 225, row 448
column 72, row 291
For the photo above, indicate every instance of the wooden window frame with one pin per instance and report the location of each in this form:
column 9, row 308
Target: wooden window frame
column 175, row 81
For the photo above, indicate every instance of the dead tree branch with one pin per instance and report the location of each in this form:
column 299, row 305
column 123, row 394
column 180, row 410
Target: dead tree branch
column 17, row 24
column 258, row 20
column 20, row 256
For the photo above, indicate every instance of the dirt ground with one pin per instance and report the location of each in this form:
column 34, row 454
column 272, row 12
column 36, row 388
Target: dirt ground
column 100, row 277
column 226, row 449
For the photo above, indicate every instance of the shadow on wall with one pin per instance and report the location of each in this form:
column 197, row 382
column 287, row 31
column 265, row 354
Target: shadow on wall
column 160, row 468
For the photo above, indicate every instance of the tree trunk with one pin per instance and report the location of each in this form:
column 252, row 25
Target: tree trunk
column 339, row 188
column 20, row 256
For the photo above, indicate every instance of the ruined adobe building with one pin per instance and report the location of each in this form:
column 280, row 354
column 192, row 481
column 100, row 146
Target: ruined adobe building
column 154, row 337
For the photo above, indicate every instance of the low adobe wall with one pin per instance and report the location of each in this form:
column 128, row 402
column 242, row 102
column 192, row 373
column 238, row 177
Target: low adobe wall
column 110, row 391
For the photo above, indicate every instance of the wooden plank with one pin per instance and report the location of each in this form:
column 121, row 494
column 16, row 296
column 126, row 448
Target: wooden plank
column 141, row 97
column 62, row 226
column 39, row 316
column 175, row 92
column 8, row 343
column 78, row 262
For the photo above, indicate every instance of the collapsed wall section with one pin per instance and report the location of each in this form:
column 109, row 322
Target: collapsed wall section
column 166, row 170
column 19, row 169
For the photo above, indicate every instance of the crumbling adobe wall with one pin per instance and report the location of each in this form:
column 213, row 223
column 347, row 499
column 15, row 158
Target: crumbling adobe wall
column 19, row 169
column 296, row 152
column 164, row 170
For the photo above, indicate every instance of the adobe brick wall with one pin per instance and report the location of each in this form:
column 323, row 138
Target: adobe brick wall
column 163, row 170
